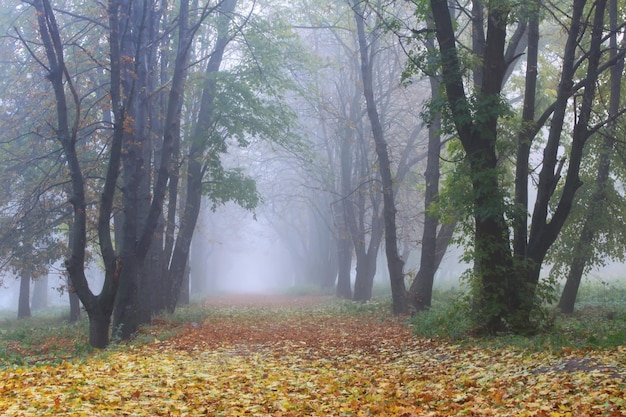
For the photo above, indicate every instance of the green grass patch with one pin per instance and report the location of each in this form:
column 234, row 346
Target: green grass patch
column 47, row 337
column 599, row 322
column 381, row 306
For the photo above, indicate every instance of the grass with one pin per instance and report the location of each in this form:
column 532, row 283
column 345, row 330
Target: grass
column 599, row 322
column 48, row 337
column 44, row 338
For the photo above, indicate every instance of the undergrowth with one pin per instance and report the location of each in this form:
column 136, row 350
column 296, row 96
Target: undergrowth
column 46, row 337
column 599, row 321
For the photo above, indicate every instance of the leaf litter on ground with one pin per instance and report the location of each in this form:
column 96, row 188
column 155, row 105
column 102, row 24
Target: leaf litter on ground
column 293, row 358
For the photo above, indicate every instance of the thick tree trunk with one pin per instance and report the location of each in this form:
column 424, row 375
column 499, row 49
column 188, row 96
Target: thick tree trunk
column 99, row 330
column 365, row 272
column 152, row 278
column 135, row 168
column 496, row 290
column 23, row 306
column 126, row 311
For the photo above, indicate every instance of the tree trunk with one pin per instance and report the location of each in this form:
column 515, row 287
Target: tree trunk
column 183, row 296
column 542, row 238
column 99, row 330
column 66, row 135
column 365, row 272
column 366, row 256
column 127, row 314
column 332, row 270
column 40, row 293
column 137, row 231
column 74, row 307
column 344, row 255
column 23, row 306
column 495, row 290
column 525, row 137
column 421, row 290
column 395, row 264
column 345, row 209
column 570, row 290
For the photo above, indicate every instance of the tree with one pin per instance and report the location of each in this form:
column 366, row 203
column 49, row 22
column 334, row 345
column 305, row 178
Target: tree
column 506, row 278
column 586, row 248
column 124, row 152
column 423, row 62
column 31, row 211
column 394, row 262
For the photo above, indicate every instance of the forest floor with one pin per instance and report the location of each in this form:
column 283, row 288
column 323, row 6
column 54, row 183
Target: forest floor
column 310, row 356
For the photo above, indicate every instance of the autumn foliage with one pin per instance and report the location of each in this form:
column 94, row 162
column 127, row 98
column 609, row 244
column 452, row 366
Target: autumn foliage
column 311, row 360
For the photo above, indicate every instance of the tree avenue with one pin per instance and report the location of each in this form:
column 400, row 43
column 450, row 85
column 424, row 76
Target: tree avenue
column 339, row 105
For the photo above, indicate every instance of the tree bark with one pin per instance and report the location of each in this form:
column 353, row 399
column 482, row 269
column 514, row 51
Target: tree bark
column 99, row 326
column 74, row 307
column 23, row 306
column 344, row 258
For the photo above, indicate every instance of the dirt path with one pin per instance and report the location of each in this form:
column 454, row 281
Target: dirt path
column 281, row 322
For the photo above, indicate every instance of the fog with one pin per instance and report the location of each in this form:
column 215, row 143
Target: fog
column 57, row 295
column 233, row 252
column 263, row 252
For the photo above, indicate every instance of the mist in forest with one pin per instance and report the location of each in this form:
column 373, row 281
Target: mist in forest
column 56, row 294
column 233, row 252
